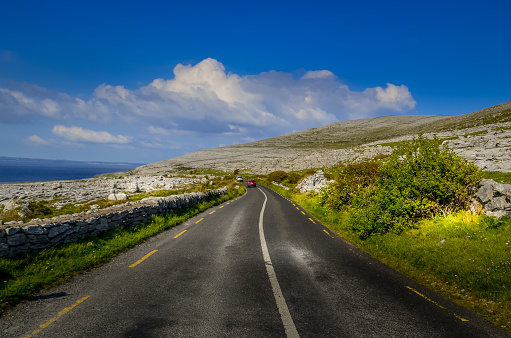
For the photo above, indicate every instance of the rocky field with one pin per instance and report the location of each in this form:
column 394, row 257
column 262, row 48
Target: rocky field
column 482, row 137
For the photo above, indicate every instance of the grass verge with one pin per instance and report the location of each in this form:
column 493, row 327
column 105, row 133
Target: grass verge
column 21, row 278
column 465, row 257
column 498, row 176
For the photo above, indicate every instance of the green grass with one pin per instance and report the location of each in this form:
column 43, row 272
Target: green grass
column 497, row 176
column 470, row 251
column 472, row 266
column 21, row 278
column 477, row 133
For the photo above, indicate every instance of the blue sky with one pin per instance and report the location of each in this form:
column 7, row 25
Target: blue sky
column 146, row 81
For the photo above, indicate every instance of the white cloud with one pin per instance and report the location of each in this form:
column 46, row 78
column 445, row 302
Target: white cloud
column 25, row 102
column 396, row 97
column 78, row 134
column 318, row 74
column 205, row 99
column 36, row 140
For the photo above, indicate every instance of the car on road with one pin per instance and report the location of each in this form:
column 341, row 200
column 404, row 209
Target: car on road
column 239, row 178
column 251, row 183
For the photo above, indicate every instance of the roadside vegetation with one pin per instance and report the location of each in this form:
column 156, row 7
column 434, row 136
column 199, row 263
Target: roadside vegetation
column 409, row 210
column 21, row 278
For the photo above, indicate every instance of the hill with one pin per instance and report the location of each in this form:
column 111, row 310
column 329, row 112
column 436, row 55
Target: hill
column 340, row 142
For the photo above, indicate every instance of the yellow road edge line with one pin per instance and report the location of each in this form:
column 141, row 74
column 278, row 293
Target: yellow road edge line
column 312, row 220
column 326, row 232
column 198, row 221
column 142, row 259
column 212, row 212
column 221, row 207
column 179, row 234
column 303, row 213
column 440, row 306
column 462, row 319
column 426, row 298
column 60, row 314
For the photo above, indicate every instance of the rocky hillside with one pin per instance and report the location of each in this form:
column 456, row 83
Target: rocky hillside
column 483, row 137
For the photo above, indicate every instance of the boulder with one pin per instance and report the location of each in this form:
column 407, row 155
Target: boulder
column 313, row 183
column 117, row 197
column 485, row 193
column 495, row 197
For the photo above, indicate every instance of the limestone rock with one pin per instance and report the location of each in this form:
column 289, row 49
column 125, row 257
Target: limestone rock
column 495, row 197
column 485, row 193
column 117, row 197
column 313, row 183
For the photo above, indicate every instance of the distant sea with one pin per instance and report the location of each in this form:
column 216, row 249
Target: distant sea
column 15, row 169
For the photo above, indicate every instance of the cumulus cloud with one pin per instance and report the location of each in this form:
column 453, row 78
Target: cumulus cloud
column 78, row 134
column 204, row 98
column 318, row 74
column 36, row 140
column 25, row 102
column 395, row 97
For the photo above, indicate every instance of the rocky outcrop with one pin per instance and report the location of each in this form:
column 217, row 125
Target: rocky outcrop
column 495, row 198
column 13, row 195
column 488, row 146
column 489, row 149
column 17, row 238
column 313, row 183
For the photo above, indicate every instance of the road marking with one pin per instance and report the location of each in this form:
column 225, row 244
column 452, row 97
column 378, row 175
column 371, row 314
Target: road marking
column 179, row 234
column 303, row 213
column 221, row 207
column 287, row 320
column 310, row 219
column 432, row 301
column 462, row 319
column 60, row 314
column 297, row 208
column 143, row 259
column 212, row 212
column 326, row 232
column 426, row 298
column 199, row 220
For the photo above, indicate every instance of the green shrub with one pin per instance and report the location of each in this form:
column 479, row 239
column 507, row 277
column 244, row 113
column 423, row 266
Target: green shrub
column 293, row 178
column 277, row 176
column 351, row 179
column 39, row 209
column 418, row 181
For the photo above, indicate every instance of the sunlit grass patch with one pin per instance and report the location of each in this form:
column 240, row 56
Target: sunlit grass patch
column 464, row 249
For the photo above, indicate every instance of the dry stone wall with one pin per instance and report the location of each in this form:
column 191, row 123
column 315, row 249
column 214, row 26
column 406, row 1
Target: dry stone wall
column 16, row 239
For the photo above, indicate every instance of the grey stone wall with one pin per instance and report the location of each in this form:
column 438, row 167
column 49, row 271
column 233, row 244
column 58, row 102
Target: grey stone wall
column 495, row 198
column 16, row 238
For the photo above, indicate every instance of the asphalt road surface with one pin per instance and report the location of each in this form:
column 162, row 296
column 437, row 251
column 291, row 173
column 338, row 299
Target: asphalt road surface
column 258, row 266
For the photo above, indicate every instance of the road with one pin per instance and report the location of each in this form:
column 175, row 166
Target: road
column 258, row 266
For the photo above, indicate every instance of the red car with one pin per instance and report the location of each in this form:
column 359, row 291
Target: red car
column 251, row 183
